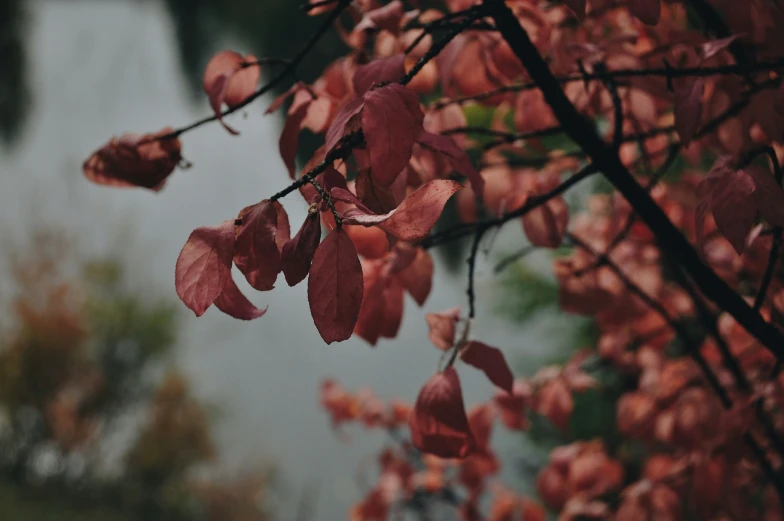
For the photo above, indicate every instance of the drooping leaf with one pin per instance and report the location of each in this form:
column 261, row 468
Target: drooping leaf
column 438, row 422
column 647, row 11
column 442, row 327
column 232, row 302
column 381, row 70
column 256, row 251
column 134, row 160
column 335, row 287
column 490, row 360
column 393, row 308
column 456, row 156
column 391, row 122
column 228, row 78
column 297, row 254
column 380, row 199
column 283, row 230
column 371, row 316
column 204, row 266
column 417, row 277
column 688, row 107
column 346, row 121
column 289, row 138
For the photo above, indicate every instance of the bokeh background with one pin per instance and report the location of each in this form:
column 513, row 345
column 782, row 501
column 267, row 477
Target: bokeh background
column 116, row 403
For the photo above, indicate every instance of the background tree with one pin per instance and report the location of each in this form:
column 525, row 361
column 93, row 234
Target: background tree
column 510, row 105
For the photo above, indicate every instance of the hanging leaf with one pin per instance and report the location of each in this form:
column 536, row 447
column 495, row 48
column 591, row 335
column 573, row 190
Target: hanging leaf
column 232, row 302
column 204, row 266
column 297, row 254
column 256, row 251
column 491, row 361
column 335, row 287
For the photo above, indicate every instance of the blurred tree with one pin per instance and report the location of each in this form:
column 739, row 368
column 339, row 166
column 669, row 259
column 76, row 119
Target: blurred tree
column 79, row 354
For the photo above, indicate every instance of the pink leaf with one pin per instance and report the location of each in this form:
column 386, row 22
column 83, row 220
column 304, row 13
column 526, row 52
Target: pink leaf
column 456, row 156
column 688, row 107
column 232, row 302
column 298, row 252
column 380, row 199
column 335, row 287
column 256, row 251
column 289, row 137
column 342, row 194
column 393, row 309
column 391, row 122
column 438, row 422
column 577, row 7
column 442, row 327
column 283, row 231
column 204, row 266
column 545, row 225
column 387, row 17
column 491, row 361
column 714, row 47
column 417, row 277
column 345, row 122
column 382, row 70
column 415, row 216
column 229, row 79
column 419, row 212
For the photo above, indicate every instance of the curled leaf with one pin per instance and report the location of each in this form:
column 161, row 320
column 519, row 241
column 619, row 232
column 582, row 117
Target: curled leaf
column 256, row 251
column 442, row 327
column 379, row 71
column 456, row 156
column 231, row 79
column 232, row 302
column 204, row 266
column 546, row 225
column 134, row 160
column 688, row 107
column 289, row 137
column 297, row 253
column 438, row 422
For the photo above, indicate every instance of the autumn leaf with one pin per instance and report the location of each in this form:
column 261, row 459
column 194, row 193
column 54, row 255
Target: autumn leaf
column 546, row 225
column 232, row 302
column 391, row 122
column 415, row 216
column 256, row 251
column 204, row 266
column 231, row 79
column 417, row 276
column 381, row 70
column 345, row 122
column 577, row 7
column 335, row 287
column 386, row 17
column 438, row 422
column 489, row 360
column 298, row 252
column 456, row 156
column 442, row 327
column 289, row 137
column 134, row 160
column 688, row 107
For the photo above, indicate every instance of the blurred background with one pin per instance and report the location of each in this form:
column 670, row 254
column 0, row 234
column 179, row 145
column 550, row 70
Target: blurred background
column 116, row 403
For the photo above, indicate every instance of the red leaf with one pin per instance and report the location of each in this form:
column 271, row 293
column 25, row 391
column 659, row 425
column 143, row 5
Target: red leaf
column 688, row 107
column 382, row 70
column 228, row 79
column 393, row 308
column 289, row 137
column 442, row 327
column 204, row 266
column 768, row 195
column 387, row 17
column 491, row 361
column 335, row 287
column 391, row 122
column 298, row 253
column 456, row 157
column 346, row 121
column 577, row 7
column 283, row 231
column 545, row 226
column 256, row 251
column 342, row 194
column 415, row 216
column 417, row 277
column 134, row 160
column 371, row 316
column 379, row 199
column 232, row 302
column 438, row 422
column 647, row 11
column 714, row 47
